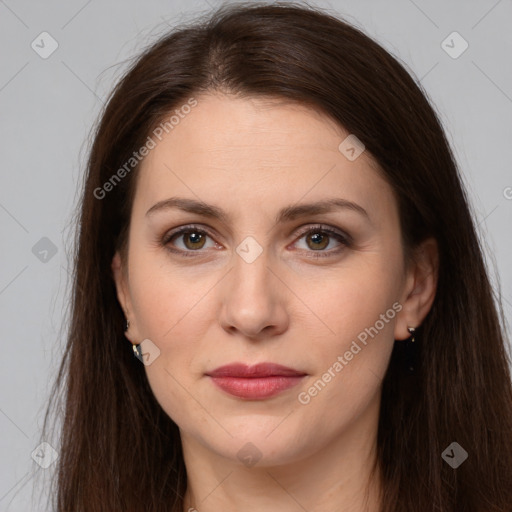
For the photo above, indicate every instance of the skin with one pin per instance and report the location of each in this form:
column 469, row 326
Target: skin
column 252, row 157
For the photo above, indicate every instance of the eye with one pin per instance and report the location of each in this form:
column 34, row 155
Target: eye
column 193, row 239
column 318, row 238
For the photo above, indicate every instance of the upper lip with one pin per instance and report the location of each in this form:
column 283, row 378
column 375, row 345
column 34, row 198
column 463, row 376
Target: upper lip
column 257, row 370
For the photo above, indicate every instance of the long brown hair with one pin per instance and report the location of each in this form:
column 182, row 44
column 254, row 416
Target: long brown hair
column 119, row 450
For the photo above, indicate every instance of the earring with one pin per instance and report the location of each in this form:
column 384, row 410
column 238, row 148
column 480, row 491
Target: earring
column 137, row 351
column 127, row 325
column 411, row 352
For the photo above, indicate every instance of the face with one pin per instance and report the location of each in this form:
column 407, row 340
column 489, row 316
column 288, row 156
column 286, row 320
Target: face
column 268, row 280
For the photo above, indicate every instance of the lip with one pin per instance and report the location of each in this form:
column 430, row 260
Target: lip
column 258, row 370
column 256, row 382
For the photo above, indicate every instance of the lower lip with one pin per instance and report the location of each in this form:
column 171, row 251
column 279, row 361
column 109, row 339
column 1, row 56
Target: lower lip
column 256, row 388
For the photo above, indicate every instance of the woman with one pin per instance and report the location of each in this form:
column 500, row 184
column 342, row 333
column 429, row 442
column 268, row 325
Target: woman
column 273, row 224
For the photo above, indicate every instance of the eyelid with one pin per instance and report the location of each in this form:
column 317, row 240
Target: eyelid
column 184, row 229
column 343, row 237
column 325, row 228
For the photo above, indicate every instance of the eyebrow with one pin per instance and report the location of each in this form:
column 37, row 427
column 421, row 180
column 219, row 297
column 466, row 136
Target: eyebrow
column 285, row 214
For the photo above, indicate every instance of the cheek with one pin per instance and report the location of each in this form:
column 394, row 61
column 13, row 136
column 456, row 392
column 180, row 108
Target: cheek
column 174, row 321
column 357, row 307
column 350, row 299
column 165, row 298
column 348, row 370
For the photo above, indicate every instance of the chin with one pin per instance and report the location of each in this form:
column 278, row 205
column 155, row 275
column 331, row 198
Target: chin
column 255, row 447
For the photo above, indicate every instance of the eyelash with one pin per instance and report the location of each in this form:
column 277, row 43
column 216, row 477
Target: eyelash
column 319, row 228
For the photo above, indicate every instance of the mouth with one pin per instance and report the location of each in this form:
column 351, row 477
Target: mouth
column 256, row 382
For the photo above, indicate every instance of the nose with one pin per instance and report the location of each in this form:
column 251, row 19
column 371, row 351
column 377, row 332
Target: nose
column 253, row 300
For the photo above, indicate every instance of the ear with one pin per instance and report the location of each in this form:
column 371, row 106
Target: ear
column 120, row 277
column 420, row 288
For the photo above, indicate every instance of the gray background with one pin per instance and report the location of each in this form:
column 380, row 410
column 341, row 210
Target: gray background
column 49, row 105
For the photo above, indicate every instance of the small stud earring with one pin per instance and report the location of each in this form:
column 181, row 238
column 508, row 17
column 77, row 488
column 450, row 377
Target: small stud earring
column 411, row 352
column 137, row 351
column 127, row 325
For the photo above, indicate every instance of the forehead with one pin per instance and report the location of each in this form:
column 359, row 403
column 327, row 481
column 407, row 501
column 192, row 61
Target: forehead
column 236, row 151
column 224, row 126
